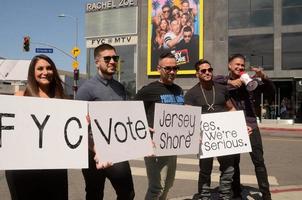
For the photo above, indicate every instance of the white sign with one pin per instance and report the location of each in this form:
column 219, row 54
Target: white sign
column 177, row 130
column 114, row 41
column 14, row 70
column 224, row 133
column 40, row 133
column 120, row 130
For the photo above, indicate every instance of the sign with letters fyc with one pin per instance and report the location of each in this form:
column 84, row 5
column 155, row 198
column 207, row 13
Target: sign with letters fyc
column 120, row 130
column 176, row 129
column 39, row 133
column 224, row 133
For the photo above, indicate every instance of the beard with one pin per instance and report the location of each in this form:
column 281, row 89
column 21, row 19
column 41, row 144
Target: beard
column 109, row 70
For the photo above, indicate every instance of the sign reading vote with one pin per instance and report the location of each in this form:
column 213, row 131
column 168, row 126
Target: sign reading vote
column 120, row 130
column 39, row 133
column 176, row 129
column 224, row 133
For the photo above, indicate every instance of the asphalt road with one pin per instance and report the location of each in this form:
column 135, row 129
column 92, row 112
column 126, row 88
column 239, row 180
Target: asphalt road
column 283, row 156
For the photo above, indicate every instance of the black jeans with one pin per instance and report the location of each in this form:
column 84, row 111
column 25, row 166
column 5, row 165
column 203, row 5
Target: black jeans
column 119, row 175
column 225, row 183
column 49, row 184
column 260, row 169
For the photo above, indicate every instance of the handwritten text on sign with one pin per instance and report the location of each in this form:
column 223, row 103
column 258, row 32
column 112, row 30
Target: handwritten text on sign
column 224, row 133
column 177, row 130
column 36, row 134
column 120, row 130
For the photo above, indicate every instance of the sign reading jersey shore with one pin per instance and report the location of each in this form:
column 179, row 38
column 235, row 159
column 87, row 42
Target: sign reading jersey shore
column 120, row 130
column 177, row 130
column 177, row 27
column 224, row 133
column 39, row 133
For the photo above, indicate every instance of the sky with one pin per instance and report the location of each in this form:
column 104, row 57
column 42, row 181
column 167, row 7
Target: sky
column 39, row 20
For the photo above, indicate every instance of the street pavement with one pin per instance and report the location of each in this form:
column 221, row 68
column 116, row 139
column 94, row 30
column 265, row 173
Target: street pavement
column 185, row 184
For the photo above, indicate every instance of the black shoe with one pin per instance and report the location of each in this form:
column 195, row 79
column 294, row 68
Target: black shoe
column 266, row 197
column 237, row 195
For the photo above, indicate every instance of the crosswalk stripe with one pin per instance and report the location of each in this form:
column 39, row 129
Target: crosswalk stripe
column 188, row 161
column 187, row 175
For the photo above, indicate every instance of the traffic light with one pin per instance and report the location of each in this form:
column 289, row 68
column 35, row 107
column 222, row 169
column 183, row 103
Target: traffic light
column 26, row 43
column 76, row 74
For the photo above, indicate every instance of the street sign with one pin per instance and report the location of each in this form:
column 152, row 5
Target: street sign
column 75, row 51
column 44, row 50
column 75, row 64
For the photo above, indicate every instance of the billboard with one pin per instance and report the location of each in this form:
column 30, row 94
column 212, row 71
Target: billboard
column 177, row 27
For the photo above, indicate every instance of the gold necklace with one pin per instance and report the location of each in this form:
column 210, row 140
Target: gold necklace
column 210, row 106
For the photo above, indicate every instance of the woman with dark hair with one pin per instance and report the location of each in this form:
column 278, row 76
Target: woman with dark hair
column 43, row 81
column 175, row 13
column 161, row 30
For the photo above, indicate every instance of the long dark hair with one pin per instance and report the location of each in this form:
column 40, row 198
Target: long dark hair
column 32, row 86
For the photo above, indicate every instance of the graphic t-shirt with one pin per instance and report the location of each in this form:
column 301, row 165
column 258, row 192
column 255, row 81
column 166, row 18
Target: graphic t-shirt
column 157, row 92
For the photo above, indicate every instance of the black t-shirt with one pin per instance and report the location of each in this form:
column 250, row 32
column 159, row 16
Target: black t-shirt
column 157, row 92
column 188, row 53
column 195, row 97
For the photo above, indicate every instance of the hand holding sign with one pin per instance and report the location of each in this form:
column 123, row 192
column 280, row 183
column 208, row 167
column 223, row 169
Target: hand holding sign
column 101, row 165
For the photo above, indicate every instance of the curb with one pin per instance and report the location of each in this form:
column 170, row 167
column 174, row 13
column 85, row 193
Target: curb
column 299, row 130
column 283, row 189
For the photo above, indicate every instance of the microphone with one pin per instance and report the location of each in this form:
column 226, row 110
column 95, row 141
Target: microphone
column 249, row 83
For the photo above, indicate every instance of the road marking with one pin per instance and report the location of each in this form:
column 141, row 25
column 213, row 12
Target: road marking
column 189, row 175
column 189, row 161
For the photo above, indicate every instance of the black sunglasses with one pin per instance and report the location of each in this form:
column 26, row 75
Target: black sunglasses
column 170, row 68
column 202, row 71
column 108, row 58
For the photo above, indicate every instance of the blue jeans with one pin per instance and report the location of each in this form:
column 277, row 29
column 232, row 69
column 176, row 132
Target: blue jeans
column 260, row 169
column 161, row 175
column 225, row 183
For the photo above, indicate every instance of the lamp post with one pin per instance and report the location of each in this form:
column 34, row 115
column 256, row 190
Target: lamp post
column 75, row 52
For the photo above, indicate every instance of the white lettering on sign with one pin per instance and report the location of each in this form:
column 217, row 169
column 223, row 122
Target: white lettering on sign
column 110, row 4
column 176, row 129
column 115, row 41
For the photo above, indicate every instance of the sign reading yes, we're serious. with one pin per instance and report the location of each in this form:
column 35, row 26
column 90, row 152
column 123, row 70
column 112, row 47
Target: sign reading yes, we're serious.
column 39, row 133
column 224, row 133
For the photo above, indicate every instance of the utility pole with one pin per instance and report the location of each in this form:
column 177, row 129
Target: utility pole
column 75, row 52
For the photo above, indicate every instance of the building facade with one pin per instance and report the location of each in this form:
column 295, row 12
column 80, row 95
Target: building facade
column 267, row 32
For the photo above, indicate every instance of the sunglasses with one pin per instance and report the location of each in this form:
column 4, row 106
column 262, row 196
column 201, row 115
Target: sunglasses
column 202, row 71
column 170, row 68
column 187, row 36
column 166, row 11
column 108, row 58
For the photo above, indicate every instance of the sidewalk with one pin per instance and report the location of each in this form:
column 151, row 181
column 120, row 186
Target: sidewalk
column 275, row 128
